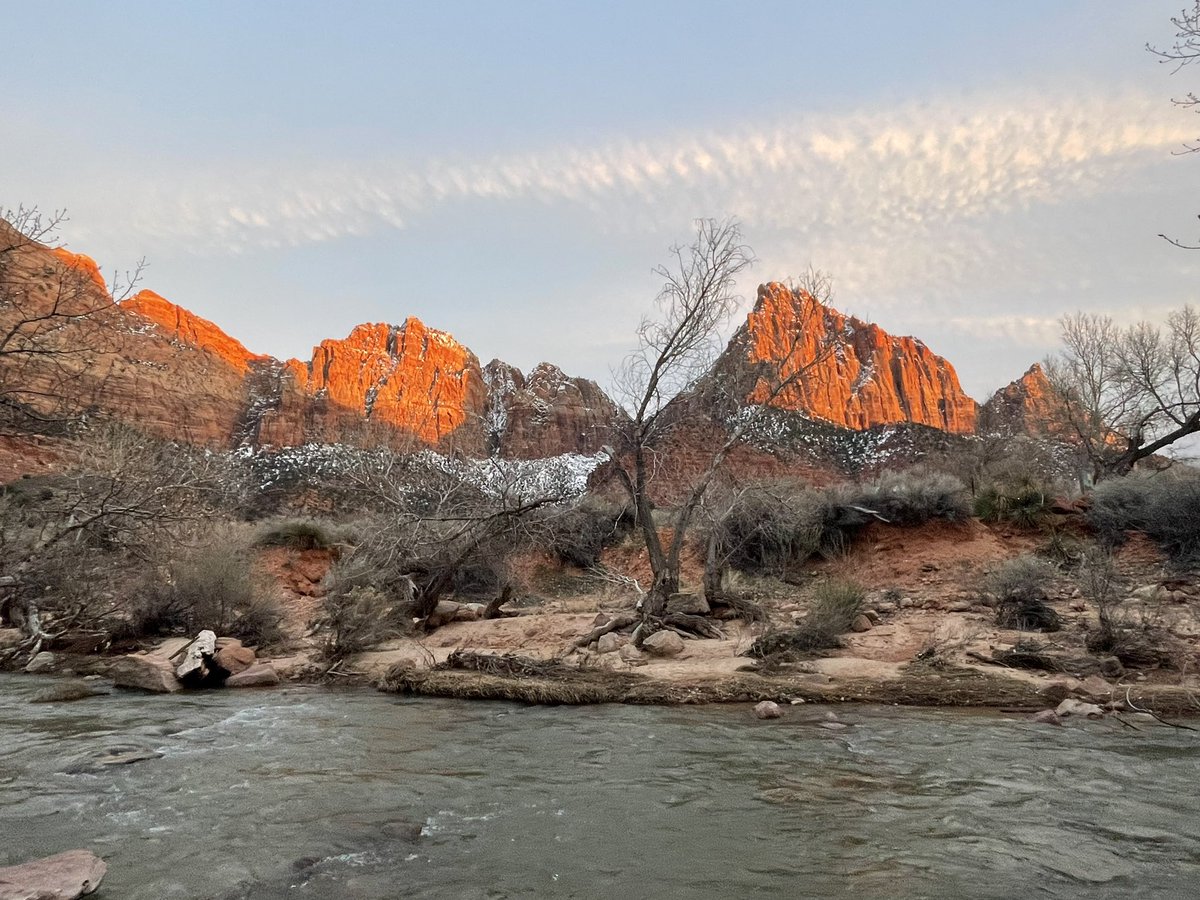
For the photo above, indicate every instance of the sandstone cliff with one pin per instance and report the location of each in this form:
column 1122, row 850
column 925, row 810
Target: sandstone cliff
column 854, row 374
column 1026, row 406
column 546, row 413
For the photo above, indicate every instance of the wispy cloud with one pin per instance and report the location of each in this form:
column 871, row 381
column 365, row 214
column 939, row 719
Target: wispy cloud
column 870, row 173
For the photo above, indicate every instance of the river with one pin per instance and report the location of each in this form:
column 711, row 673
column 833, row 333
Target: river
column 311, row 792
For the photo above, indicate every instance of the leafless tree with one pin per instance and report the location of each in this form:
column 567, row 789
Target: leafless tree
column 1128, row 392
column 56, row 315
column 1183, row 52
column 428, row 521
column 675, row 354
column 67, row 539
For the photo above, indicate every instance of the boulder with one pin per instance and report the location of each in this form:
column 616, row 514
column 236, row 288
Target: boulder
column 66, row 691
column 632, row 655
column 1096, row 688
column 144, row 673
column 1046, row 717
column 768, row 709
column 1149, row 592
column 195, row 663
column 232, row 656
column 443, row 613
column 64, row 876
column 860, row 624
column 663, row 643
column 609, row 643
column 1073, row 707
column 42, row 663
column 470, row 612
column 687, row 605
column 258, row 675
column 10, row 637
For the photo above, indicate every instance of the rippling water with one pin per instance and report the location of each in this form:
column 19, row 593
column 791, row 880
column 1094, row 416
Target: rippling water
column 307, row 792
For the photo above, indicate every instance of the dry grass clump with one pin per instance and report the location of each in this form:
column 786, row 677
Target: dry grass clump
column 302, row 534
column 836, row 603
column 1018, row 589
column 1165, row 507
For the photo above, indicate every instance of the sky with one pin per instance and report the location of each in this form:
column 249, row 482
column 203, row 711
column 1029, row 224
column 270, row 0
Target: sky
column 512, row 172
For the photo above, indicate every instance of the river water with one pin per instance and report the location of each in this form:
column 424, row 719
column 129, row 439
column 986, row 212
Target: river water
column 310, row 792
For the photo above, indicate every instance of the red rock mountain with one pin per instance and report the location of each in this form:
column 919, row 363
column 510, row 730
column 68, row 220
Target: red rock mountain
column 854, row 374
column 175, row 373
column 1026, row 406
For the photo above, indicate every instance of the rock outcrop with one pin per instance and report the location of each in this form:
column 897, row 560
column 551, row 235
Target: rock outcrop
column 545, row 413
column 854, row 374
column 1026, row 406
column 183, row 327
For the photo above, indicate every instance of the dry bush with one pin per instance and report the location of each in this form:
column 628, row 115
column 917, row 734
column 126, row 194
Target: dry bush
column 1136, row 637
column 302, row 534
column 835, row 605
column 215, row 585
column 357, row 619
column 915, row 497
column 576, row 534
column 1165, row 507
column 1018, row 590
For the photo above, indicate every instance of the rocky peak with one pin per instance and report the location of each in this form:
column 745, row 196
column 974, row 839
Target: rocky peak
column 546, row 413
column 870, row 378
column 78, row 262
column 413, row 378
column 1025, row 406
column 180, row 325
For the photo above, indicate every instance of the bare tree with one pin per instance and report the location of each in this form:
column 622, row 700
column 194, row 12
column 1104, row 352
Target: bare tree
column 55, row 315
column 676, row 352
column 69, row 541
column 1183, row 52
column 1128, row 392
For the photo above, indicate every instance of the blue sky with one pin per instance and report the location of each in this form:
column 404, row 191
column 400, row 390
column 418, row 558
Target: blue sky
column 511, row 172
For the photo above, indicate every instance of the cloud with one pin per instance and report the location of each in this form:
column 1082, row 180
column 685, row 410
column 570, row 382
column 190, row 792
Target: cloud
column 870, row 173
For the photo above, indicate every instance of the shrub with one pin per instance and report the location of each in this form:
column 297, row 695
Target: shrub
column 357, row 619
column 1018, row 590
column 215, row 586
column 1165, row 508
column 1023, row 503
column 300, row 534
column 836, row 604
column 915, row 497
column 577, row 534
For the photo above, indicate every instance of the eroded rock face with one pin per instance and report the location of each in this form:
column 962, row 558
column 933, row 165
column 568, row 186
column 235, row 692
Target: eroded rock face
column 546, row 413
column 871, row 377
column 1026, row 406
column 185, row 327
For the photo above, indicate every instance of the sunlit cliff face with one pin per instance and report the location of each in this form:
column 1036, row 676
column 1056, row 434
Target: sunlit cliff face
column 868, row 378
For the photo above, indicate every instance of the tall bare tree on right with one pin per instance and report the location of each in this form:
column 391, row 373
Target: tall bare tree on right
column 1127, row 392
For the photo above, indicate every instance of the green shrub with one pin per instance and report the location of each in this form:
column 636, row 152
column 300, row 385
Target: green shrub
column 1024, row 504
